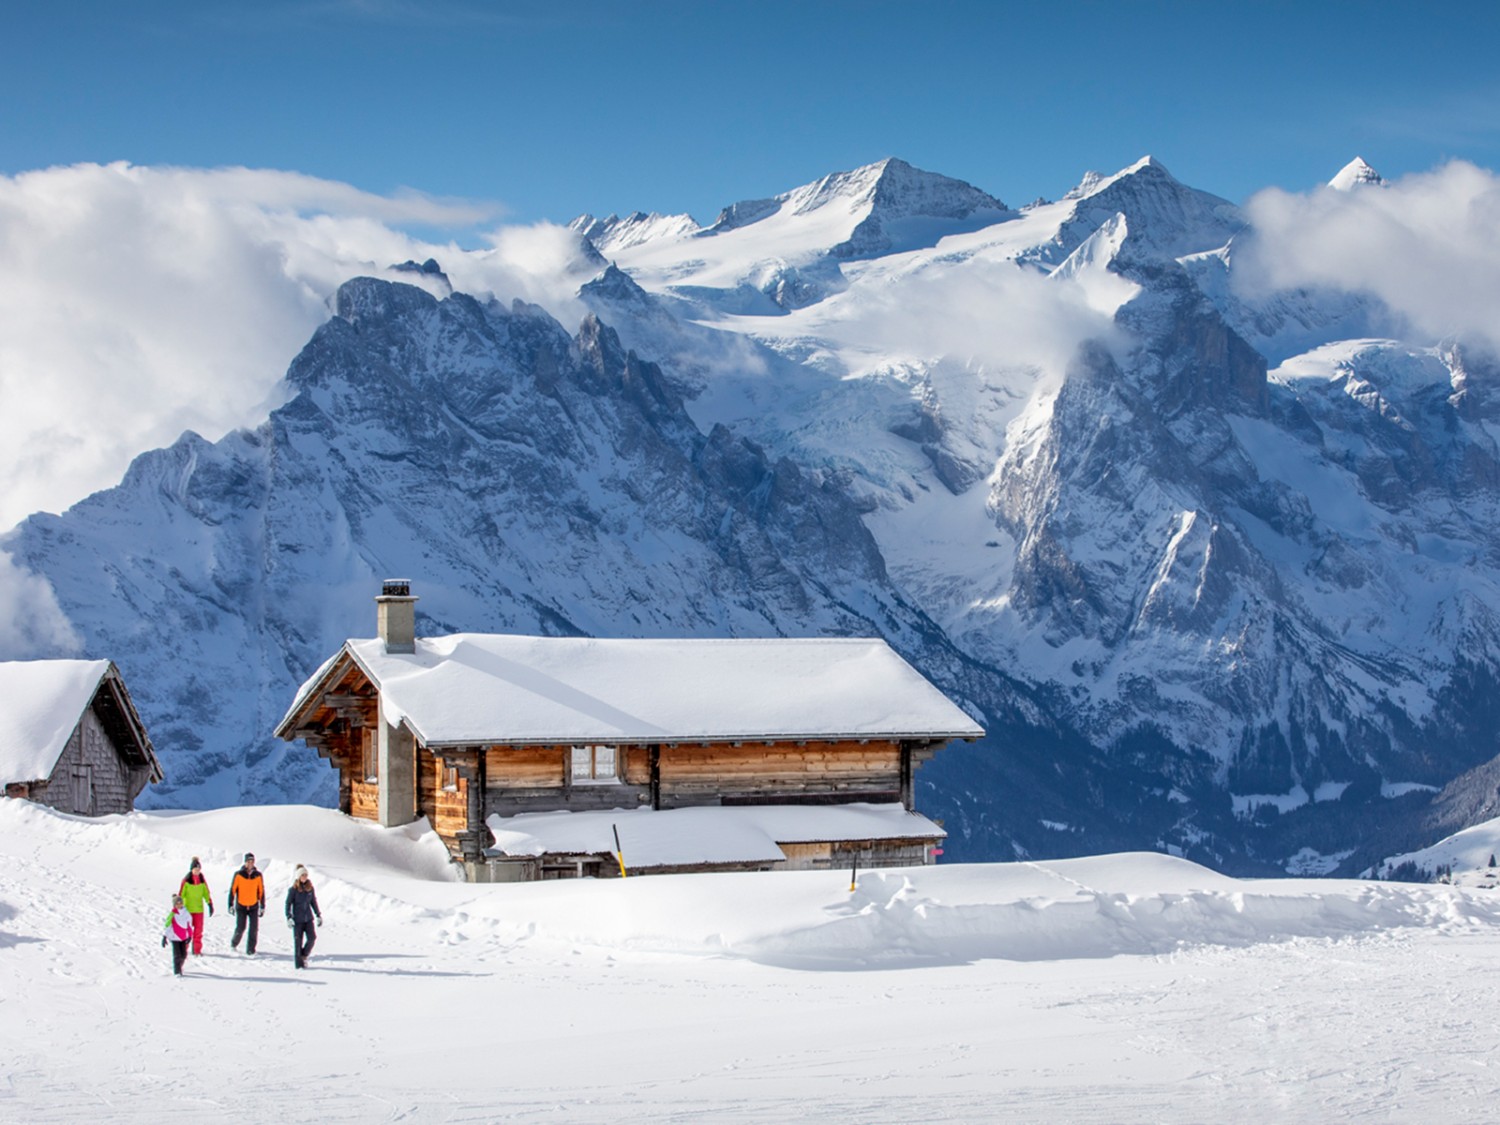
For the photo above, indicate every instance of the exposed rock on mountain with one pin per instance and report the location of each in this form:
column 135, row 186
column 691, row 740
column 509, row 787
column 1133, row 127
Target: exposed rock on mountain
column 537, row 483
column 1216, row 566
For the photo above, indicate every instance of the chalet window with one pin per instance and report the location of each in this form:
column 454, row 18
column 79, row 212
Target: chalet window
column 370, row 744
column 596, row 765
column 449, row 776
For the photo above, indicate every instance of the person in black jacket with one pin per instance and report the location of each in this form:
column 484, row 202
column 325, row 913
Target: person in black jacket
column 301, row 909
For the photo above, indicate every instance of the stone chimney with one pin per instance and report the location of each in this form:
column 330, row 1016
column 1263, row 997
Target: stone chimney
column 396, row 615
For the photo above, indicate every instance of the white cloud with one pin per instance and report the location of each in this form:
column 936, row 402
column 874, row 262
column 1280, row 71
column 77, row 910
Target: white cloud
column 32, row 625
column 138, row 302
column 1428, row 246
column 993, row 312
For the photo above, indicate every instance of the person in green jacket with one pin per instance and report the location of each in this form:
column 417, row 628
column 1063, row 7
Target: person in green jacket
column 196, row 896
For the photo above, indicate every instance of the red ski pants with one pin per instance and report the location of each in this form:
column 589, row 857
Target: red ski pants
column 197, row 934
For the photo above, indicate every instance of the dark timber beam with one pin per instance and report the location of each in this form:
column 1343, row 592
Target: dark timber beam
column 469, row 763
column 653, row 759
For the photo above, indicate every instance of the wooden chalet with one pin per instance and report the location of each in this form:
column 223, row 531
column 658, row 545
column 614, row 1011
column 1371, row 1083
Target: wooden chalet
column 530, row 755
column 70, row 737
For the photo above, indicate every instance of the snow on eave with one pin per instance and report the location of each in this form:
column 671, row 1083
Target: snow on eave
column 470, row 689
column 309, row 690
column 730, row 738
column 703, row 835
column 41, row 704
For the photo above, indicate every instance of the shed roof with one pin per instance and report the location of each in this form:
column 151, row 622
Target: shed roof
column 41, row 702
column 484, row 688
column 708, row 835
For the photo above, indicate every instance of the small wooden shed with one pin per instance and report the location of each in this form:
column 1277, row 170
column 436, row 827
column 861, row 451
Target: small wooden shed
column 492, row 736
column 70, row 737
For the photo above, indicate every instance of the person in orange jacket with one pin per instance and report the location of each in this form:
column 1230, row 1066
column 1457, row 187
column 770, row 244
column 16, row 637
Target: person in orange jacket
column 248, row 894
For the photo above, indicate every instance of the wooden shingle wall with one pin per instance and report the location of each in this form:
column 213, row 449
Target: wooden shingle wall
column 92, row 777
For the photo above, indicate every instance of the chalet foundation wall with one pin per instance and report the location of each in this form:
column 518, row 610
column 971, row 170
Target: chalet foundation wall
column 519, row 870
column 397, row 802
column 864, row 854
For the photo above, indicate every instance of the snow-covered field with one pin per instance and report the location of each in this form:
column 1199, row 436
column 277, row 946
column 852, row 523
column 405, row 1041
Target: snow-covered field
column 1122, row 988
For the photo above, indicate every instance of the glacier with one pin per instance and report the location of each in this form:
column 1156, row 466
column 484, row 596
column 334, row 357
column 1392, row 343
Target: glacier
column 1187, row 547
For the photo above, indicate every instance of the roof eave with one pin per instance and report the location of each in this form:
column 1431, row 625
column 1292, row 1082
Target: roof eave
column 133, row 720
column 286, row 729
column 658, row 739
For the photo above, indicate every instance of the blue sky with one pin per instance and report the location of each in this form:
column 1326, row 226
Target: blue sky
column 551, row 109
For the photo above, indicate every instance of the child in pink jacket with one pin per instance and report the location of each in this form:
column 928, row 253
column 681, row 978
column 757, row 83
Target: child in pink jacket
column 178, row 929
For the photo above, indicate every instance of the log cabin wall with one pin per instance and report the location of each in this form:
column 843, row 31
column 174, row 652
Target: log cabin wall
column 846, row 854
column 445, row 809
column 364, row 800
column 726, row 773
column 538, row 778
column 338, row 725
column 521, row 779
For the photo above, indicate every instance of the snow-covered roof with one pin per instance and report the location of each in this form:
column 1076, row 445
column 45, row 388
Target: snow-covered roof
column 685, row 837
column 473, row 688
column 41, row 702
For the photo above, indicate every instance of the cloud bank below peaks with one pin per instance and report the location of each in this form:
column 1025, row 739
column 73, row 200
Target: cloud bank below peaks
column 138, row 302
column 1427, row 246
column 993, row 313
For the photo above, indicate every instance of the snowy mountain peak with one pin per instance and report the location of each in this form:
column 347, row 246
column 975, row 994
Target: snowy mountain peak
column 1356, row 174
column 370, row 298
column 613, row 234
column 897, row 190
column 1167, row 219
column 1093, row 182
column 427, row 275
column 877, row 196
column 1232, row 595
column 1086, row 186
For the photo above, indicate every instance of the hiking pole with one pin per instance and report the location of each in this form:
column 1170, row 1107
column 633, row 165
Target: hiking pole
column 619, row 853
column 853, row 872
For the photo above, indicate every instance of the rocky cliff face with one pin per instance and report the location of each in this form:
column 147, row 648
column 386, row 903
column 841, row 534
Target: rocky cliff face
column 534, row 482
column 1220, row 580
column 1236, row 545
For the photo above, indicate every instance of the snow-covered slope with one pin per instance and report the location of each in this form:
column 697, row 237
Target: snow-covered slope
column 1084, row 990
column 1214, row 565
column 535, row 482
column 766, row 256
column 1271, row 574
